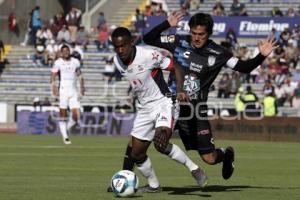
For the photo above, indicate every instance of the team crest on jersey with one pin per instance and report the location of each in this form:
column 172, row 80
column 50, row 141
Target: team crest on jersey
column 171, row 38
column 140, row 68
column 211, row 60
column 155, row 56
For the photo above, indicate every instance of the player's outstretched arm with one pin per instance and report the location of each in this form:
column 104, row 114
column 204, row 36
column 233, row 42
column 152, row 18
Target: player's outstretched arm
column 265, row 48
column 153, row 37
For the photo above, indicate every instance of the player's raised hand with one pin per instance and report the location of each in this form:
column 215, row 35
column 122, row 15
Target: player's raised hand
column 267, row 46
column 174, row 18
column 182, row 97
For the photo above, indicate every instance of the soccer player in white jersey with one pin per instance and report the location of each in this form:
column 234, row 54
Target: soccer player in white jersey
column 142, row 66
column 68, row 70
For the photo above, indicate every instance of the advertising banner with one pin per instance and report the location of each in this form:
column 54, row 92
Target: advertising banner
column 246, row 27
column 91, row 123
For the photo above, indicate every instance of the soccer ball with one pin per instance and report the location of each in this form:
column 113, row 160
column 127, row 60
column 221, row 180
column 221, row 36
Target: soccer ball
column 124, row 183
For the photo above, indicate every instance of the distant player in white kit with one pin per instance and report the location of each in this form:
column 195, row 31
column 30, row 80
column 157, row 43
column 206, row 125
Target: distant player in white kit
column 68, row 70
column 154, row 121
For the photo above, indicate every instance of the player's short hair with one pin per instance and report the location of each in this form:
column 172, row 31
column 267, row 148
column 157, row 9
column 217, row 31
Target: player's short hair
column 202, row 19
column 64, row 46
column 121, row 32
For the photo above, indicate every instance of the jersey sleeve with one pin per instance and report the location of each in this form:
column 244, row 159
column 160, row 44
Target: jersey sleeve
column 154, row 37
column 161, row 61
column 55, row 68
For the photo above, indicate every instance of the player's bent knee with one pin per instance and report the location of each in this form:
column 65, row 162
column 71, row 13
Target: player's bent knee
column 161, row 141
column 209, row 158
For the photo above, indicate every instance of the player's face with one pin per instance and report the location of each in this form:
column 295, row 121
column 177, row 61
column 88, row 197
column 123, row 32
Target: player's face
column 123, row 47
column 65, row 53
column 199, row 36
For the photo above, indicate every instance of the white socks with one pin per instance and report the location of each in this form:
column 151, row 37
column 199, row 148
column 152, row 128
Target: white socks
column 63, row 128
column 178, row 155
column 147, row 170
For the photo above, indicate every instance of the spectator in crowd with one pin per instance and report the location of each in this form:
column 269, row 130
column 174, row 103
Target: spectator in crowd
column 269, row 105
column 238, row 101
column 63, row 35
column 76, row 52
column 36, row 104
column 160, row 11
column 280, row 95
column 13, row 25
column 195, row 4
column 39, row 57
column 44, row 35
column 223, row 86
column 3, row 61
column 103, row 38
column 276, row 34
column 284, row 37
column 234, row 83
column 51, row 52
column 73, row 21
column 250, row 100
column 54, row 26
column 35, row 22
column 289, row 88
column 109, row 70
column 218, row 9
column 82, row 38
column 184, row 11
column 101, row 20
column 282, row 71
column 46, row 102
column 231, row 38
column 276, row 12
column 237, row 8
column 148, row 11
column 268, row 87
column 296, row 97
column 27, row 36
column 138, row 21
column 290, row 12
column 296, row 74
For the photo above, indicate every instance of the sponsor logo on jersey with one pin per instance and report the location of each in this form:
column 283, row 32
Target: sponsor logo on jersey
column 196, row 67
column 213, row 51
column 186, row 54
column 211, row 60
column 204, row 132
column 171, row 38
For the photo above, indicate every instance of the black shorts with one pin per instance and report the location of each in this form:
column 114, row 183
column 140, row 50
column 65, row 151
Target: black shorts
column 195, row 132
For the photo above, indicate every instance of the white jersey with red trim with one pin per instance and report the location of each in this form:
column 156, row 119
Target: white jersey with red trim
column 68, row 71
column 145, row 75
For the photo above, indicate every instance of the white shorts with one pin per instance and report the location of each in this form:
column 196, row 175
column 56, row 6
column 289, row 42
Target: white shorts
column 68, row 98
column 162, row 115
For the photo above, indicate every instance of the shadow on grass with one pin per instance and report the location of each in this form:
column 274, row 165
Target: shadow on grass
column 211, row 188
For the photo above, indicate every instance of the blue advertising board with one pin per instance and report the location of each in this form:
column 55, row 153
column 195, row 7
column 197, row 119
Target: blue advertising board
column 246, row 27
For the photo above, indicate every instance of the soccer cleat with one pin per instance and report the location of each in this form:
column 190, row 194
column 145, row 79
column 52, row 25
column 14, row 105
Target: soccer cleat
column 109, row 189
column 148, row 189
column 200, row 177
column 228, row 166
column 67, row 141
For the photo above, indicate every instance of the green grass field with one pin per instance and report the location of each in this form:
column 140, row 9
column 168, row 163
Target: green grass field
column 41, row 168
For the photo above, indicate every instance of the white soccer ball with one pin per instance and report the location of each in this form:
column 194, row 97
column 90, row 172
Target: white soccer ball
column 124, row 183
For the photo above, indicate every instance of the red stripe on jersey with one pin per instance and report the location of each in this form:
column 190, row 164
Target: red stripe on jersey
column 172, row 123
column 170, row 66
column 154, row 72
